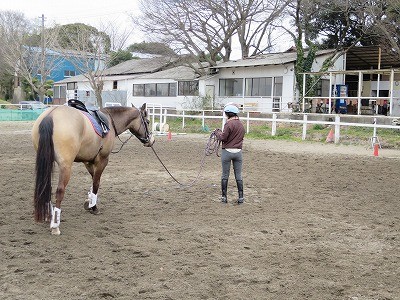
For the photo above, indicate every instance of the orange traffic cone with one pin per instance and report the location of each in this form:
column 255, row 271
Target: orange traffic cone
column 376, row 149
column 169, row 136
column 330, row 138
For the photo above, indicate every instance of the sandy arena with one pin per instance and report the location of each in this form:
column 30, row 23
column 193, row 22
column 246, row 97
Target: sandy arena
column 320, row 221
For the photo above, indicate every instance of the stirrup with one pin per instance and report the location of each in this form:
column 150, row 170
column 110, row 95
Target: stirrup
column 224, row 199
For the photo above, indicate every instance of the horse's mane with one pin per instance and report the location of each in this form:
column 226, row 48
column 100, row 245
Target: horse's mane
column 115, row 109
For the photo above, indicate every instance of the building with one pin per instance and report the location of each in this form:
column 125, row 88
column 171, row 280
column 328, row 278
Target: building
column 158, row 80
column 58, row 64
column 362, row 79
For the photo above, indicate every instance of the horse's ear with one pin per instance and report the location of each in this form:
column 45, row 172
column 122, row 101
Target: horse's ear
column 143, row 107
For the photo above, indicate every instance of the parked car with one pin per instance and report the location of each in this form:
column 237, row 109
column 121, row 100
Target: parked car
column 24, row 105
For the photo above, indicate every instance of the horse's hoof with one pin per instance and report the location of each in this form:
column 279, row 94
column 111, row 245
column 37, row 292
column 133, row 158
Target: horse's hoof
column 55, row 231
column 94, row 210
column 86, row 205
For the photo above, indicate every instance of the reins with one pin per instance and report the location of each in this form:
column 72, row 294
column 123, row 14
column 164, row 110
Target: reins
column 123, row 143
column 212, row 146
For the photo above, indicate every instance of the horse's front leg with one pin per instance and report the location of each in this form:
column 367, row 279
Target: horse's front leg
column 63, row 179
column 95, row 170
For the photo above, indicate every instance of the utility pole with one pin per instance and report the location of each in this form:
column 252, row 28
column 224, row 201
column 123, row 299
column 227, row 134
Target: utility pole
column 43, row 57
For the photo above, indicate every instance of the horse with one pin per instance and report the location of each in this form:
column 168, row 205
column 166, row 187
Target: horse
column 66, row 135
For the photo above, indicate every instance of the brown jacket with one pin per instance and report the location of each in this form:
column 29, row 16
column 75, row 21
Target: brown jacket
column 232, row 135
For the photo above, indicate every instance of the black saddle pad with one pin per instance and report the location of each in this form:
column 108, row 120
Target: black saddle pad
column 97, row 114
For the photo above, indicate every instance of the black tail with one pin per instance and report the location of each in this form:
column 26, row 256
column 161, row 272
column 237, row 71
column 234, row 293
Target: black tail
column 44, row 168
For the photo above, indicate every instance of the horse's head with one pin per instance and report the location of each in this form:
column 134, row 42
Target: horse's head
column 142, row 132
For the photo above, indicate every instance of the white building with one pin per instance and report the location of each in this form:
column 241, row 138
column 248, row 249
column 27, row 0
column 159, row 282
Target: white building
column 265, row 83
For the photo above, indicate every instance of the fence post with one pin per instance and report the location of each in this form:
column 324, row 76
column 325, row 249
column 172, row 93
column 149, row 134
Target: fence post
column 183, row 119
column 165, row 115
column 202, row 122
column 337, row 129
column 273, row 129
column 305, row 116
column 153, row 112
column 248, row 122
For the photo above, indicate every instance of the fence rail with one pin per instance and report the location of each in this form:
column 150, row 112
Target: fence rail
column 160, row 113
column 335, row 120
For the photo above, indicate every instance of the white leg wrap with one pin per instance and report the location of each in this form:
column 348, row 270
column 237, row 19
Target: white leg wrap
column 55, row 217
column 92, row 199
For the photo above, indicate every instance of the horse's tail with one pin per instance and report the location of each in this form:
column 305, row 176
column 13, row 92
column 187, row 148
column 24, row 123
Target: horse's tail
column 44, row 168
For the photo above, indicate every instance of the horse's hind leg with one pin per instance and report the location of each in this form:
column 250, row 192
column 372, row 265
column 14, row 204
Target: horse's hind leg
column 63, row 179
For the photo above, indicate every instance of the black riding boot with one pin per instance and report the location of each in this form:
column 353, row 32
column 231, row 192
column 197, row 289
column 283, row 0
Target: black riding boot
column 239, row 184
column 224, row 188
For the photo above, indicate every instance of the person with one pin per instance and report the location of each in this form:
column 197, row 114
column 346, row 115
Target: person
column 232, row 141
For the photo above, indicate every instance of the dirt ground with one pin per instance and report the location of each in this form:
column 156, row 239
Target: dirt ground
column 319, row 221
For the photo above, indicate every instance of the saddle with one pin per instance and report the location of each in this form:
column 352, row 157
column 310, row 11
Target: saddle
column 96, row 114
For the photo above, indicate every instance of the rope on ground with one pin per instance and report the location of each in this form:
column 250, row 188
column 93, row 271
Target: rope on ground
column 212, row 146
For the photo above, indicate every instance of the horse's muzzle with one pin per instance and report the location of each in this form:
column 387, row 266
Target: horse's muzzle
column 148, row 142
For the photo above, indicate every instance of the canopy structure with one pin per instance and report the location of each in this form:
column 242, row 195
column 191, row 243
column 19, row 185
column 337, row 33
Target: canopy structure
column 361, row 63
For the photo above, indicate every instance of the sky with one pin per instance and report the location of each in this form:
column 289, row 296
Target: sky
column 90, row 12
column 97, row 13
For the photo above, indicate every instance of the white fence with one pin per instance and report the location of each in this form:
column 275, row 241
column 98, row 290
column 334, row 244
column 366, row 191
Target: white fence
column 335, row 120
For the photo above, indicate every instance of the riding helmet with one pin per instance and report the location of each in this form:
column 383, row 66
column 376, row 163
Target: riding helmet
column 231, row 108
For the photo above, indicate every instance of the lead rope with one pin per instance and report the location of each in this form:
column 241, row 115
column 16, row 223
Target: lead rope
column 212, row 146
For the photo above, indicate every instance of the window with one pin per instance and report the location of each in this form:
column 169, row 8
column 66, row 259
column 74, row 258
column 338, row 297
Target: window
column 63, row 92
column 115, row 85
column 72, row 86
column 60, row 92
column 188, row 88
column 69, row 73
column 56, row 92
column 258, row 86
column 231, row 87
column 150, row 89
column 154, row 89
column 278, row 86
column 138, row 90
column 162, row 89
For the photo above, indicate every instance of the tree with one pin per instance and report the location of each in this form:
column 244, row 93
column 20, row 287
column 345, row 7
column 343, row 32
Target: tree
column 205, row 29
column 20, row 54
column 88, row 49
column 387, row 19
column 119, row 57
column 6, row 84
column 257, row 23
column 151, row 48
column 339, row 25
column 70, row 35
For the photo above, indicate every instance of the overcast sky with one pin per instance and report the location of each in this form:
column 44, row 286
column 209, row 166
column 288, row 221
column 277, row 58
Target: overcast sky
column 91, row 12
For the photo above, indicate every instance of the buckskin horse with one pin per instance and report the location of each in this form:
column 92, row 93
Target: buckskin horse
column 65, row 135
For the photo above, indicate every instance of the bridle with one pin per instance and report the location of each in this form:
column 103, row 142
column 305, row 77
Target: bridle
column 148, row 133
